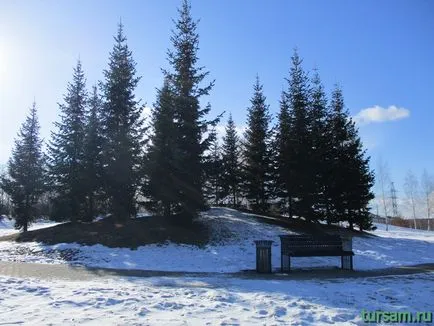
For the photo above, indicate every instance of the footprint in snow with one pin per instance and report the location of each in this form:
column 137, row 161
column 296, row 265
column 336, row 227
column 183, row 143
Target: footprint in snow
column 143, row 312
column 279, row 312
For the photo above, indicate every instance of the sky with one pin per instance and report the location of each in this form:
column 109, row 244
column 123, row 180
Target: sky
column 379, row 52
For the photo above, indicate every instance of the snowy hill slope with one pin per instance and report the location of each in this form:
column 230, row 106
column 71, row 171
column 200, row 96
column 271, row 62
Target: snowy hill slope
column 7, row 226
column 384, row 249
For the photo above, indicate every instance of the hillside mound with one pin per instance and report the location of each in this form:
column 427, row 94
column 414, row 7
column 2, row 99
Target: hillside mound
column 111, row 233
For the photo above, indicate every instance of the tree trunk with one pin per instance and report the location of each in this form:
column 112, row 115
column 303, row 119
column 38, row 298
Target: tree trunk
column 91, row 208
column 414, row 214
column 290, row 207
column 166, row 209
column 428, row 212
column 216, row 194
column 234, row 198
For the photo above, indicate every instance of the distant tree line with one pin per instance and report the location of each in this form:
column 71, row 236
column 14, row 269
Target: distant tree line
column 103, row 158
column 416, row 202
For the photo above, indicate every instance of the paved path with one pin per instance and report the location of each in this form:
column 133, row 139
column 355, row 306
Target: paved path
column 80, row 273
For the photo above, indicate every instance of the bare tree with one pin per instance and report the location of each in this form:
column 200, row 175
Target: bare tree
column 410, row 189
column 4, row 198
column 383, row 178
column 427, row 185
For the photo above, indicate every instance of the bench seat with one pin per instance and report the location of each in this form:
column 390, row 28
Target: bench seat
column 313, row 246
column 320, row 253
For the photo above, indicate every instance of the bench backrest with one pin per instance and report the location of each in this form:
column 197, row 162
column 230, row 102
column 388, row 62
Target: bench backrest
column 308, row 243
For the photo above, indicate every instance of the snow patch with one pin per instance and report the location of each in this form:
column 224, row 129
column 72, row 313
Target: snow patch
column 214, row 300
column 398, row 246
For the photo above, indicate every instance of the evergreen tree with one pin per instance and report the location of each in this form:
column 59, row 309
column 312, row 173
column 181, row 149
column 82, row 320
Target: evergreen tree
column 257, row 155
column 361, row 180
column 231, row 172
column 162, row 187
column 350, row 191
column 321, row 138
column 300, row 142
column 185, row 79
column 26, row 172
column 282, row 157
column 66, row 150
column 93, row 155
column 123, row 131
column 213, row 172
column 338, row 126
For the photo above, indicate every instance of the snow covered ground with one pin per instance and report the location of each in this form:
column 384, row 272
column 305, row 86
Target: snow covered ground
column 215, row 300
column 208, row 301
column 398, row 246
column 7, row 226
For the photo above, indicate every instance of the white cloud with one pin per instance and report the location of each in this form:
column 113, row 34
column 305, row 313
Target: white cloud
column 221, row 130
column 146, row 111
column 378, row 114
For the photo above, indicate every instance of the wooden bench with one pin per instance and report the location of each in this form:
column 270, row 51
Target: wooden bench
column 312, row 246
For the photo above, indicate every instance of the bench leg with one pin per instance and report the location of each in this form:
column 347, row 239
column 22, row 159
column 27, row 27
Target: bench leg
column 285, row 262
column 347, row 262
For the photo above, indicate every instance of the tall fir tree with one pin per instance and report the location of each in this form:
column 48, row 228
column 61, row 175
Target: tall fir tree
column 337, row 125
column 93, row 156
column 162, row 188
column 361, row 180
column 26, row 172
column 282, row 158
column 190, row 119
column 321, row 138
column 123, row 130
column 213, row 172
column 231, row 172
column 300, row 142
column 350, row 189
column 66, row 150
column 257, row 154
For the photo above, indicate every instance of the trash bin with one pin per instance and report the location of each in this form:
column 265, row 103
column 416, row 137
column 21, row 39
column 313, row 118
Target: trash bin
column 263, row 256
column 347, row 245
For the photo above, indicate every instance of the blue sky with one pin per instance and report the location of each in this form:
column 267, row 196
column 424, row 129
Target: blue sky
column 380, row 52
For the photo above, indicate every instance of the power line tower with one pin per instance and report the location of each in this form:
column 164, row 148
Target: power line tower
column 394, row 201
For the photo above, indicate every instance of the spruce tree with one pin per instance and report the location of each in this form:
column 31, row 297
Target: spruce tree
column 162, row 187
column 213, row 172
column 93, row 155
column 186, row 78
column 300, row 142
column 338, row 181
column 66, row 150
column 123, row 131
column 231, row 172
column 361, row 180
column 321, row 138
column 350, row 189
column 26, row 172
column 257, row 154
column 282, row 157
